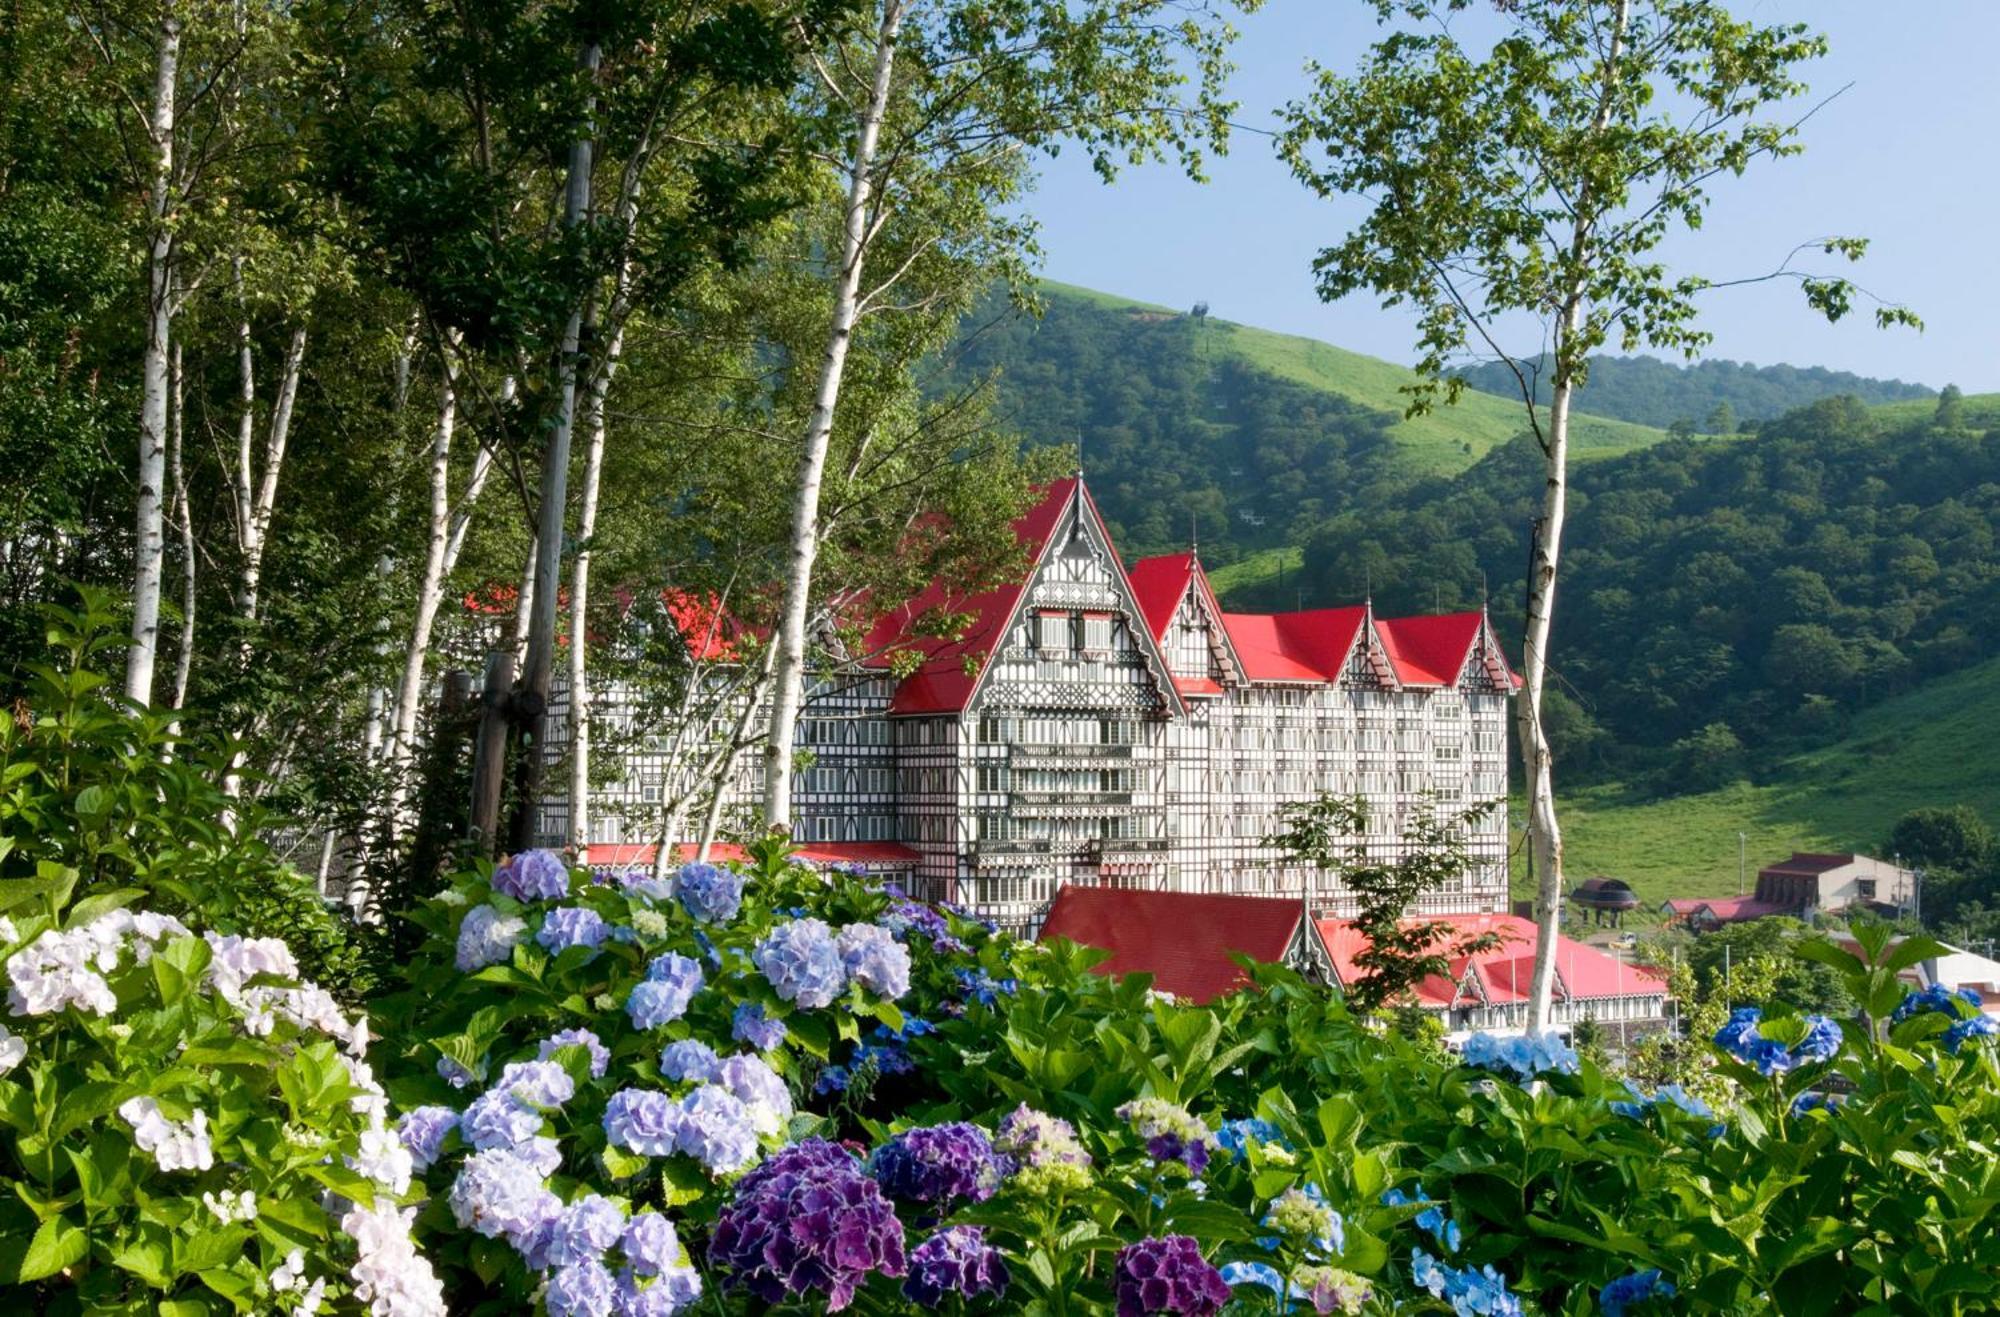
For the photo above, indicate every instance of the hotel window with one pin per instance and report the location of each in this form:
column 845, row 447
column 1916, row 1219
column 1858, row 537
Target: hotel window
column 1097, row 631
column 1053, row 632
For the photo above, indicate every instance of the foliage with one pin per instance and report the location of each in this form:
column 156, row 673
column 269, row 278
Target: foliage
column 1713, row 393
column 1401, row 953
column 118, row 801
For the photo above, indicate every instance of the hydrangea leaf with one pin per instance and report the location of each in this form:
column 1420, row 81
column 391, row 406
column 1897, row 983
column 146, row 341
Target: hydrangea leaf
column 57, row 1244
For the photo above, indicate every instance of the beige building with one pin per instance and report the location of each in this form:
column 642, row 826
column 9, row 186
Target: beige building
column 1810, row 882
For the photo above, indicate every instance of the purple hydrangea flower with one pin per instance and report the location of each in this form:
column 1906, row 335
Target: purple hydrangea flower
column 938, row 1165
column 670, row 984
column 717, row 1129
column 875, row 959
column 533, row 876
column 487, row 937
column 1167, row 1275
column 802, row 963
column 689, row 1058
column 423, row 1132
column 600, row 1055
column 1171, row 1134
column 1636, row 1288
column 572, row 926
column 906, row 917
column 537, row 1083
column 496, row 1120
column 807, row 1220
column 642, row 1120
column 751, row 1025
column 454, row 1072
column 757, row 1087
column 501, row 1195
column 712, row 895
column 582, row 1289
column 651, row 1244
column 586, row 1228
column 954, row 1261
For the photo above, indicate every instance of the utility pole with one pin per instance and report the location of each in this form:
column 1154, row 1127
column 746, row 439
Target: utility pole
column 1742, row 867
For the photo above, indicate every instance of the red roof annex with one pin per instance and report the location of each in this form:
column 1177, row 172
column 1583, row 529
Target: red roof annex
column 874, row 854
column 1505, row 974
column 1183, row 939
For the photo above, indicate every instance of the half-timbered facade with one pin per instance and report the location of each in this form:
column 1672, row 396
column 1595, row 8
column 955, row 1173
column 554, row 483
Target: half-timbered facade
column 1103, row 725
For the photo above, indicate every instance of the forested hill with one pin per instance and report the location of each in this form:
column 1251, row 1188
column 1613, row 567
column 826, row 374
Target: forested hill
column 1719, row 595
column 1708, row 397
column 1249, row 438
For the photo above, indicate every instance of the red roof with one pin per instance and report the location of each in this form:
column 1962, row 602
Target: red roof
column 1430, row 651
column 1183, row 939
column 1309, row 646
column 873, row 853
column 1505, row 974
column 1726, row 909
column 1160, row 584
column 1809, row 864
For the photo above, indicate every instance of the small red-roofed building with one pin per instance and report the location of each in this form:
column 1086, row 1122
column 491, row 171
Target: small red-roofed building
column 1185, row 940
column 1488, row 990
column 1090, row 724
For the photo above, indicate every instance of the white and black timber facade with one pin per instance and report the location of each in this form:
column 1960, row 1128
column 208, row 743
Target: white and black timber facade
column 1108, row 726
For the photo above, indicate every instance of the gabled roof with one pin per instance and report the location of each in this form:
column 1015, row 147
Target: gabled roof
column 1430, row 651
column 1808, row 864
column 1183, row 939
column 1726, row 909
column 1160, row 584
column 1505, row 974
column 1309, row 646
column 951, row 668
column 875, row 854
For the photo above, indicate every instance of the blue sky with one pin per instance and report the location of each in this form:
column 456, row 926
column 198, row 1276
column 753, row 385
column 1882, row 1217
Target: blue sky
column 1908, row 156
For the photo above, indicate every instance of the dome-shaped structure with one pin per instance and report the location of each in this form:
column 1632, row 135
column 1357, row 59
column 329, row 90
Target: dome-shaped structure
column 1605, row 898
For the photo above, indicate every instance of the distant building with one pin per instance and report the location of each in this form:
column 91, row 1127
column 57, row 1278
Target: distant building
column 1095, row 724
column 1489, row 990
column 1809, row 883
column 1706, row 914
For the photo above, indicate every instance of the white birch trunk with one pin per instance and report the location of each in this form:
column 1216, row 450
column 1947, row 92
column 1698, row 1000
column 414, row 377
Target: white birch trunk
column 257, row 492
column 579, row 598
column 184, row 523
column 790, row 669
column 1537, row 759
column 149, row 537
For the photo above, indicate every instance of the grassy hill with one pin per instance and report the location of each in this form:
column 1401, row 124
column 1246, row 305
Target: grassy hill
column 1448, row 439
column 1932, row 746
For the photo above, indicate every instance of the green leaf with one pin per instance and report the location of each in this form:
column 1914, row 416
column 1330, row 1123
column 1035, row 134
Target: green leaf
column 623, row 1165
column 56, row 1245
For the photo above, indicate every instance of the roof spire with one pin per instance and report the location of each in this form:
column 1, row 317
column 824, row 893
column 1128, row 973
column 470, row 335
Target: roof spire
column 1194, row 538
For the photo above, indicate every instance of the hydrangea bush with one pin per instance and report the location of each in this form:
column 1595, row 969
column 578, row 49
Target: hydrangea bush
column 188, row 1126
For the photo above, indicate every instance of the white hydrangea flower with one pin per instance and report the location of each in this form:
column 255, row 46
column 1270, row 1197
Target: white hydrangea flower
column 290, row 1272
column 59, row 970
column 8, row 933
column 176, row 1146
column 237, row 960
column 13, row 1049
column 389, row 1275
column 384, row 1159
column 231, row 1207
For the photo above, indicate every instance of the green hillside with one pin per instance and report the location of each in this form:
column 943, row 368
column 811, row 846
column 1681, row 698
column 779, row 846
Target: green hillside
column 1935, row 745
column 1448, row 439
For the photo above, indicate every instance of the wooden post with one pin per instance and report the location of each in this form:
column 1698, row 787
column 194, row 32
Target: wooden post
column 489, row 750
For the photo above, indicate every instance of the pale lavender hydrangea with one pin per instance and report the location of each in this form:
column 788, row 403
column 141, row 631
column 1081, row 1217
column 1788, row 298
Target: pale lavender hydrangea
column 533, row 876
column 600, row 1055
column 586, row 1228
column 802, row 963
column 496, row 1120
column 502, row 1196
column 642, row 1120
column 537, row 1083
column 662, row 997
column 572, row 926
column 875, row 959
column 751, row 1025
column 689, row 1058
column 424, row 1131
column 666, row 1295
column 487, row 937
column 582, row 1289
column 712, row 895
column 651, row 1244
column 760, row 1089
column 717, row 1129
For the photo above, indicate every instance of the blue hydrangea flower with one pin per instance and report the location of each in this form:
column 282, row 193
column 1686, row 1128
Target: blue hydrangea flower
column 651, row 1244
column 600, row 1055
column 533, row 876
column 1976, row 1027
column 832, row 1079
column 582, row 1289
column 717, row 1129
column 496, row 1120
column 572, row 926
column 938, row 1165
column 642, row 1120
column 1480, row 1293
column 663, row 996
column 751, row 1025
column 802, row 963
column 980, row 986
column 1235, row 1136
column 501, row 1196
column 1936, row 999
column 712, row 895
column 1523, row 1055
column 906, row 917
column 1674, row 1096
column 1432, row 1219
column 1814, row 1101
column 536, row 1083
column 1742, row 1038
column 875, row 959
column 955, row 1261
column 689, row 1058
column 454, row 1072
column 586, row 1228
column 423, row 1132
column 487, row 937
column 759, row 1088
column 1628, row 1291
